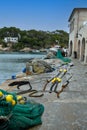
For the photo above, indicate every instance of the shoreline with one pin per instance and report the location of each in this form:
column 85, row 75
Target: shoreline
column 19, row 52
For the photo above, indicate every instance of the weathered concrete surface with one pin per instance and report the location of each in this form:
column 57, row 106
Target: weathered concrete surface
column 69, row 112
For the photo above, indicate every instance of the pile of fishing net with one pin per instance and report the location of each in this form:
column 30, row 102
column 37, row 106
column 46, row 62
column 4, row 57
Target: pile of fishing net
column 18, row 114
column 64, row 59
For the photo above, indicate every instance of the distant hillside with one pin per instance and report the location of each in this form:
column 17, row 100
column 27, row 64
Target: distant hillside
column 33, row 38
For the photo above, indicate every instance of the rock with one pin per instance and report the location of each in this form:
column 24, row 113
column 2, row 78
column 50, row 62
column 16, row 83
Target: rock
column 50, row 55
column 40, row 66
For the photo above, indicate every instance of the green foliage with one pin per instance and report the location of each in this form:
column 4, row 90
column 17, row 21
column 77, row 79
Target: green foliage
column 18, row 46
column 4, row 44
column 33, row 38
column 9, row 32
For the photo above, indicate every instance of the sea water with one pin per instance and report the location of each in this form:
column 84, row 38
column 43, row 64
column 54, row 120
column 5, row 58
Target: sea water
column 13, row 63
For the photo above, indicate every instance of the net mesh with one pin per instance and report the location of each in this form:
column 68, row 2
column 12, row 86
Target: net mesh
column 64, row 59
column 18, row 116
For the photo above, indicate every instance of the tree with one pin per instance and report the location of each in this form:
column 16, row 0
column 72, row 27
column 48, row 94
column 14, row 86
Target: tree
column 35, row 39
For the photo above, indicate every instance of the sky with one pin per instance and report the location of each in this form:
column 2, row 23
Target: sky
column 45, row 15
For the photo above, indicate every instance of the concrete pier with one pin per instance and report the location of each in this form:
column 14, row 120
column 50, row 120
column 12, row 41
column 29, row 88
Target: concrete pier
column 69, row 111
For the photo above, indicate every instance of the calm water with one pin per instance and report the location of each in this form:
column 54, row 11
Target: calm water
column 12, row 64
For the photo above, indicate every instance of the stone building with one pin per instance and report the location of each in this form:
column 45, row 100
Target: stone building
column 78, row 34
column 11, row 39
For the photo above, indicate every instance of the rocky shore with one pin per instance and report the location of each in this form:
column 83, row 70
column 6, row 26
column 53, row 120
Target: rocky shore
column 26, row 49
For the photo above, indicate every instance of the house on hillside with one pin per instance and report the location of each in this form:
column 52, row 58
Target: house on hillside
column 78, row 34
column 11, row 39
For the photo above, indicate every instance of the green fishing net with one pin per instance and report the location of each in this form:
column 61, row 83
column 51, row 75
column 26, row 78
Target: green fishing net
column 64, row 59
column 14, row 115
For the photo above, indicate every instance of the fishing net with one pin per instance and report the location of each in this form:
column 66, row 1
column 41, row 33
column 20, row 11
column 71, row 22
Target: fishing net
column 17, row 115
column 64, row 59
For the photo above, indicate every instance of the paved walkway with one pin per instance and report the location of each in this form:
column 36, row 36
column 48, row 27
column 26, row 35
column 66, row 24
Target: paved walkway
column 69, row 112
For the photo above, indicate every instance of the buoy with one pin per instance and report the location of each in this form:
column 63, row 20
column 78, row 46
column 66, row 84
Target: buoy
column 54, row 79
column 19, row 97
column 13, row 102
column 1, row 94
column 58, row 79
column 22, row 102
column 65, row 70
column 60, row 70
column 9, row 98
column 13, row 76
column 24, row 70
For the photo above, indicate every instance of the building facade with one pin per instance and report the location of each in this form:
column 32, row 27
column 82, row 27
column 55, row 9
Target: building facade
column 11, row 39
column 78, row 34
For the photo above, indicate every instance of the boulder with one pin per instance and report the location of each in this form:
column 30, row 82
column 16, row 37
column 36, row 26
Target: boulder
column 40, row 66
